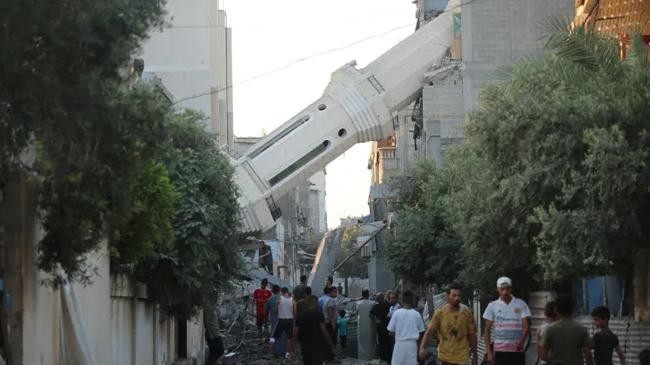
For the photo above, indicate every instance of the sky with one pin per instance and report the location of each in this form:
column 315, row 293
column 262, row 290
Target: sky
column 290, row 37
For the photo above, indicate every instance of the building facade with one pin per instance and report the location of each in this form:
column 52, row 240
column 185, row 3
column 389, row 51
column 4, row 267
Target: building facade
column 193, row 57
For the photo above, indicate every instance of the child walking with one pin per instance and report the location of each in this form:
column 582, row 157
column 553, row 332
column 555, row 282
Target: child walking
column 605, row 341
column 342, row 324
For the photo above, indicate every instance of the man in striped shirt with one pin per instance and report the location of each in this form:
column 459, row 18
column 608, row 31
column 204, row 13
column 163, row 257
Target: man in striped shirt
column 506, row 326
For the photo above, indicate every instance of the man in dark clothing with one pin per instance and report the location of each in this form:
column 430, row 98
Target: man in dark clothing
column 644, row 357
column 380, row 314
column 329, row 283
column 265, row 259
column 215, row 343
column 309, row 302
column 566, row 342
column 310, row 331
column 299, row 290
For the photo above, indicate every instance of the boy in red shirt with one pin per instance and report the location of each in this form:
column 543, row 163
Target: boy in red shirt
column 260, row 296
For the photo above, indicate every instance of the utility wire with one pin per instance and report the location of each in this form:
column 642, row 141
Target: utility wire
column 306, row 58
column 299, row 60
column 351, row 18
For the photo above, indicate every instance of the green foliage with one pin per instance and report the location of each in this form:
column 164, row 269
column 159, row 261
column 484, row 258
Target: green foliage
column 552, row 182
column 204, row 255
column 357, row 266
column 151, row 221
column 567, row 141
column 89, row 171
column 409, row 186
column 59, row 62
column 61, row 91
column 111, row 160
column 483, row 215
column 424, row 247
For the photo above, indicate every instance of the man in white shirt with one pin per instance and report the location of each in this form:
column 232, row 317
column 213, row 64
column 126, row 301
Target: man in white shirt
column 506, row 326
column 330, row 312
column 284, row 308
column 407, row 326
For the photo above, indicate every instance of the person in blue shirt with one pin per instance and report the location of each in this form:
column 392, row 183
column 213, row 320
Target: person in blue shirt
column 342, row 324
column 324, row 298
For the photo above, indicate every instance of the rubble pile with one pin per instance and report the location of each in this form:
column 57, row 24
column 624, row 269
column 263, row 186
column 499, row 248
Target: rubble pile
column 242, row 342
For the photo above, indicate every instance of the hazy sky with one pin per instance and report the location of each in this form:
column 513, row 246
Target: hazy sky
column 267, row 35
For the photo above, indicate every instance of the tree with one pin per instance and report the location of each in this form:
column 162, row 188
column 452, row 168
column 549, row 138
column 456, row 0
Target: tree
column 113, row 161
column 64, row 99
column 424, row 247
column 565, row 141
column 552, row 181
column 487, row 221
column 204, row 256
column 150, row 224
column 58, row 72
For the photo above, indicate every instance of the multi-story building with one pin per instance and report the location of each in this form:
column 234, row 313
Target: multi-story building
column 193, row 57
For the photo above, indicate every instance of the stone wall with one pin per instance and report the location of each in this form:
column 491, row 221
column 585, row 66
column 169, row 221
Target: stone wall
column 500, row 32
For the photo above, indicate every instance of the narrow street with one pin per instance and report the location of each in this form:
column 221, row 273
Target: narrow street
column 201, row 182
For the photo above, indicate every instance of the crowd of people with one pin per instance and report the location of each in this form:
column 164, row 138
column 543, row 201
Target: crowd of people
column 395, row 331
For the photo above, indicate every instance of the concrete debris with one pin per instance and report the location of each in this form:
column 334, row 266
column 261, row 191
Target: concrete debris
column 244, row 345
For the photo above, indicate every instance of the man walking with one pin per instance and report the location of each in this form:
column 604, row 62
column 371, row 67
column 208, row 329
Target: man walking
column 212, row 337
column 309, row 302
column 365, row 327
column 566, row 342
column 455, row 329
column 271, row 308
column 260, row 296
column 407, row 325
column 310, row 331
column 330, row 312
column 299, row 290
column 506, row 326
column 285, row 316
column 380, row 314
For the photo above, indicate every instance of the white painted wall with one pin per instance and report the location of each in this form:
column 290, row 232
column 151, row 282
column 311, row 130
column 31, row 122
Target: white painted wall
column 46, row 327
column 100, row 323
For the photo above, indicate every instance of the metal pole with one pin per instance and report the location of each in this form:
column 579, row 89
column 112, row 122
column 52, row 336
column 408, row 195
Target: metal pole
column 358, row 248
